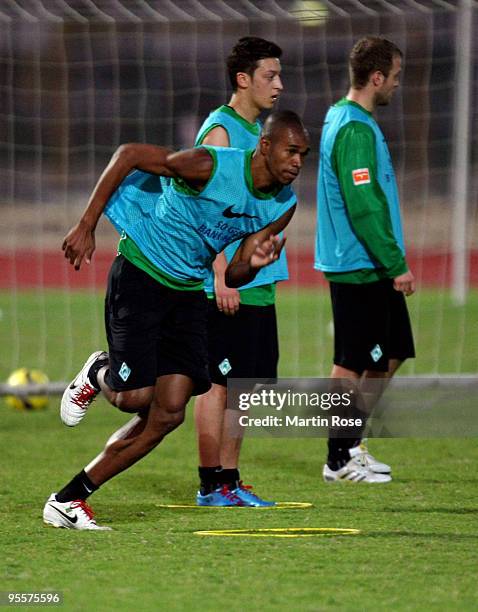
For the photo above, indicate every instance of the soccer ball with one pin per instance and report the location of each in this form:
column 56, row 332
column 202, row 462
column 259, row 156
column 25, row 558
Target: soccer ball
column 25, row 376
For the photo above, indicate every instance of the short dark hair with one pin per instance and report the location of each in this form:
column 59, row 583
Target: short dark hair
column 245, row 55
column 279, row 120
column 369, row 54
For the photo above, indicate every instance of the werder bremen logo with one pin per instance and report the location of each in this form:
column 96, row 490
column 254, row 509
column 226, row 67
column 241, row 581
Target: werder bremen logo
column 124, row 371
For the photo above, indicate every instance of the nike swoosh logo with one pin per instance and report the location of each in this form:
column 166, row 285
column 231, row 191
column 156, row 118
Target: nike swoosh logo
column 74, row 384
column 68, row 518
column 229, row 214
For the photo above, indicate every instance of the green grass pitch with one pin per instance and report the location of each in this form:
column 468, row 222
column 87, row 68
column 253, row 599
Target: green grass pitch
column 59, row 329
column 418, row 540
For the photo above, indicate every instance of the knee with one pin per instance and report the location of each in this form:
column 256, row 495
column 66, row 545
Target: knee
column 176, row 419
column 172, row 417
column 216, row 394
column 133, row 401
column 168, row 416
column 162, row 427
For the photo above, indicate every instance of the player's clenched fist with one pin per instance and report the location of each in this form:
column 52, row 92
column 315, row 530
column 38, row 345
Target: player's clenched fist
column 405, row 283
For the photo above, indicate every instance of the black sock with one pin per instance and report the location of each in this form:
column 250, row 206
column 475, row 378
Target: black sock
column 230, row 477
column 209, row 479
column 339, row 451
column 343, row 438
column 80, row 487
column 93, row 372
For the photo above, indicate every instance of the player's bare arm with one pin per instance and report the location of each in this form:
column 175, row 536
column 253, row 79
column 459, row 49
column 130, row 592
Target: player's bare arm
column 227, row 298
column 217, row 137
column 192, row 165
column 257, row 251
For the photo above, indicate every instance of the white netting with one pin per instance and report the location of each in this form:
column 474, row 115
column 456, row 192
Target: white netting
column 79, row 77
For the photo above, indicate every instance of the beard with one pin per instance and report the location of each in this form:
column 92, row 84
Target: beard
column 383, row 100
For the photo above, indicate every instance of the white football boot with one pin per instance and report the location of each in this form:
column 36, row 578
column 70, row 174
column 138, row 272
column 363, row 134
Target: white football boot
column 80, row 393
column 354, row 471
column 70, row 515
column 371, row 462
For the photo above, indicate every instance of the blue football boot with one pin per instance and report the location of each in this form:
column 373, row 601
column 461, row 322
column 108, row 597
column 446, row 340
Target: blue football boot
column 222, row 496
column 244, row 492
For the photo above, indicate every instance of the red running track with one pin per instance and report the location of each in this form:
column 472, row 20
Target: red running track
column 30, row 269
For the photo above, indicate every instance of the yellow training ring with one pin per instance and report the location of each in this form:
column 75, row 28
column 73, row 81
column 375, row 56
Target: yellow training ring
column 285, row 532
column 278, row 506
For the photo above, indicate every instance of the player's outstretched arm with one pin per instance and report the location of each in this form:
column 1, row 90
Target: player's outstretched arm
column 257, row 251
column 193, row 165
column 79, row 243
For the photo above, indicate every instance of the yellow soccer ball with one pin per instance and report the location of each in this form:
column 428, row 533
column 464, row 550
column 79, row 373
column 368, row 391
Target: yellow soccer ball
column 21, row 378
column 309, row 12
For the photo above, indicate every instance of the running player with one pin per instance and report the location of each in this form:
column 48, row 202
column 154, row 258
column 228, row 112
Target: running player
column 156, row 307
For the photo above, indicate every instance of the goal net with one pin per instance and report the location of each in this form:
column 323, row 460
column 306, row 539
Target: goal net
column 80, row 77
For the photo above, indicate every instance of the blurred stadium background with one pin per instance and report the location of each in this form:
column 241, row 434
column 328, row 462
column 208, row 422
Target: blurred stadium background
column 80, row 77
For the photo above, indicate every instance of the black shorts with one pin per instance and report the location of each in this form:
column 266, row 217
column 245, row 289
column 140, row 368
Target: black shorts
column 244, row 345
column 371, row 325
column 153, row 330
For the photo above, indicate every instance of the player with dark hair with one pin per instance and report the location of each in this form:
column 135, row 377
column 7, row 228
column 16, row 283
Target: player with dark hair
column 156, row 308
column 247, row 57
column 360, row 248
column 242, row 325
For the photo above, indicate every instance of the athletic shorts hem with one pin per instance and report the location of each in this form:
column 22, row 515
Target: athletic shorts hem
column 360, row 369
column 201, row 384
